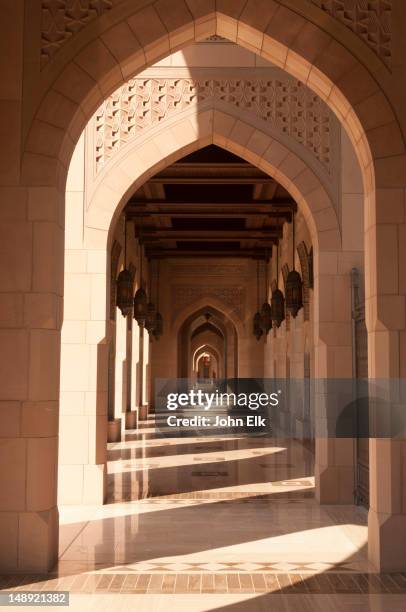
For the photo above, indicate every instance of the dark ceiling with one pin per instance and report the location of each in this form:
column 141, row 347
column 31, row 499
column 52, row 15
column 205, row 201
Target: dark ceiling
column 210, row 203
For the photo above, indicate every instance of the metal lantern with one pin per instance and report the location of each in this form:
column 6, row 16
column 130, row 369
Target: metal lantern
column 266, row 317
column 140, row 306
column 293, row 289
column 124, row 283
column 158, row 326
column 124, row 295
column 150, row 318
column 277, row 307
column 257, row 328
column 293, row 286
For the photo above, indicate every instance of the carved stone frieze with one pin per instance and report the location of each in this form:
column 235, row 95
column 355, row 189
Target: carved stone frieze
column 232, row 296
column 287, row 104
column 62, row 19
column 223, row 270
column 369, row 19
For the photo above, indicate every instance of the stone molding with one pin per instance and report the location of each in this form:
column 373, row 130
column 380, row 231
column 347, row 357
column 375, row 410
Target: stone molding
column 369, row 19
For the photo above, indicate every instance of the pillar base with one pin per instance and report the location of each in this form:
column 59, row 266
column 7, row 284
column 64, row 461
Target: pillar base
column 386, row 541
column 131, row 419
column 114, row 430
column 29, row 541
column 143, row 412
column 334, row 484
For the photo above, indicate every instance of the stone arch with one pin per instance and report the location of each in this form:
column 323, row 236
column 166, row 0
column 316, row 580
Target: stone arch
column 118, row 44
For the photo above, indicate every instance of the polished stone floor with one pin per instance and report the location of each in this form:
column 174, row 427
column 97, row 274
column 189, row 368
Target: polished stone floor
column 215, row 523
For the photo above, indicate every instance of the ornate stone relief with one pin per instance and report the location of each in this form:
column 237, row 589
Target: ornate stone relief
column 232, row 296
column 223, row 270
column 291, row 108
column 62, row 19
column 370, row 19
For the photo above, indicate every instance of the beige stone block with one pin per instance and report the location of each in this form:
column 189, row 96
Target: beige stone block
column 275, row 154
column 150, row 32
column 72, row 402
column 44, row 364
column 78, row 291
column 42, row 456
column 73, row 332
column 95, row 484
column 13, row 204
column 11, row 310
column 284, row 26
column 45, row 139
column 75, row 262
column 387, row 259
column 390, row 171
column 39, row 419
column 39, row 170
column 319, row 83
column 74, row 220
column 97, row 60
column 73, row 439
column 95, row 402
column 329, row 240
column 391, row 311
column 297, row 66
column 43, row 204
column 16, row 252
column 390, row 206
column 70, row 485
column 10, row 155
column 47, row 258
column 96, row 261
column 95, row 332
column 12, row 474
column 126, row 49
column 13, row 364
column 249, row 37
column 291, row 166
column 351, row 172
column 57, row 109
column 273, row 51
column 75, row 364
column 98, row 297
column 38, row 541
column 41, row 311
column 9, row 541
column 10, row 419
column 226, row 27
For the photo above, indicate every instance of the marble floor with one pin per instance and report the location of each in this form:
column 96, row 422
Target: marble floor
column 214, row 523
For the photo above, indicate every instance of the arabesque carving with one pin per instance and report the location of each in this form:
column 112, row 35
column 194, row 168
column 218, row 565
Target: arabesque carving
column 232, row 296
column 369, row 19
column 62, row 19
column 143, row 102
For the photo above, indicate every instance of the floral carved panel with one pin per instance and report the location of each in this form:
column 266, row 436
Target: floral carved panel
column 369, row 19
column 62, row 19
column 286, row 104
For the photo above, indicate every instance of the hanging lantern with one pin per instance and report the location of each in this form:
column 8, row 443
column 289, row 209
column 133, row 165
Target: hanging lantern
column 150, row 318
column 124, row 286
column 277, row 299
column 124, row 283
column 293, row 290
column 293, row 287
column 266, row 311
column 158, row 326
column 266, row 317
column 257, row 328
column 140, row 306
column 277, row 307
